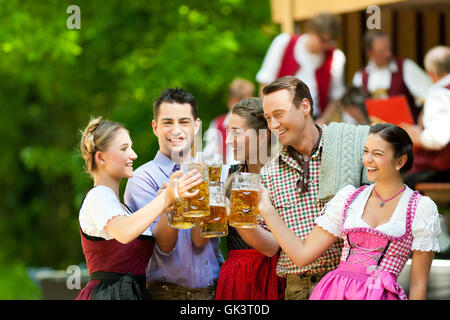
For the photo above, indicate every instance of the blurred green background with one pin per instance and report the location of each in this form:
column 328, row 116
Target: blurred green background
column 52, row 80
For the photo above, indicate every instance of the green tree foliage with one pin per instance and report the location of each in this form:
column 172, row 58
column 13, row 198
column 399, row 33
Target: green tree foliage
column 52, row 80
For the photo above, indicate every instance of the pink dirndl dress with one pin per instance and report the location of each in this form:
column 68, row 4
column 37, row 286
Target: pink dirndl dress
column 370, row 263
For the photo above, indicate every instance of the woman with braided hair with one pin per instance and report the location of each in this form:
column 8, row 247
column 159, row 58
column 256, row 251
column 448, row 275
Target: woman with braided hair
column 381, row 225
column 111, row 235
column 249, row 274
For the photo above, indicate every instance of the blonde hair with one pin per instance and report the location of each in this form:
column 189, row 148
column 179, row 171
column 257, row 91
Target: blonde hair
column 241, row 89
column 96, row 137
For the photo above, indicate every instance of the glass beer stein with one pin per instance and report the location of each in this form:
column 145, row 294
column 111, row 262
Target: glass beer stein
column 197, row 206
column 176, row 218
column 216, row 224
column 244, row 200
column 215, row 167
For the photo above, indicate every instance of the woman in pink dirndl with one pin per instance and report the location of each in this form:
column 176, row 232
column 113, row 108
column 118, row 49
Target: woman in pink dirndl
column 381, row 225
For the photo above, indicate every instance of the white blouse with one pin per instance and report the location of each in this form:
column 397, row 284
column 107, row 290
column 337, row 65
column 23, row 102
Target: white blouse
column 99, row 206
column 425, row 226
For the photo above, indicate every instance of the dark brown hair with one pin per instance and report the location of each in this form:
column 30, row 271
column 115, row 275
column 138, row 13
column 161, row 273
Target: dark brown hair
column 252, row 110
column 399, row 140
column 175, row 95
column 296, row 87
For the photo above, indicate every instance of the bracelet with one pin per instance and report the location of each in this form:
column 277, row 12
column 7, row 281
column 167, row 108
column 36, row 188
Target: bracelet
column 175, row 190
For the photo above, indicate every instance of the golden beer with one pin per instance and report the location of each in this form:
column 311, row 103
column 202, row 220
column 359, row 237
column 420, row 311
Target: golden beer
column 244, row 200
column 216, row 224
column 214, row 163
column 176, row 218
column 214, row 172
column 198, row 206
column 244, row 209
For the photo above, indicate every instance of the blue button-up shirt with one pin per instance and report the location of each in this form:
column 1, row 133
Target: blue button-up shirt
column 185, row 265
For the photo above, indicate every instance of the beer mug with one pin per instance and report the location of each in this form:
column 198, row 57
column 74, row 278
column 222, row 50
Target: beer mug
column 215, row 167
column 197, row 206
column 216, row 224
column 176, row 218
column 244, row 200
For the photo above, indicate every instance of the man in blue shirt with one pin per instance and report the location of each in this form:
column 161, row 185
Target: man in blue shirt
column 183, row 265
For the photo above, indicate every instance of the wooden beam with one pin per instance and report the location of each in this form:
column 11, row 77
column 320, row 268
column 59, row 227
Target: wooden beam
column 431, row 32
column 387, row 17
column 353, row 43
column 447, row 28
column 282, row 14
column 305, row 9
column 406, row 34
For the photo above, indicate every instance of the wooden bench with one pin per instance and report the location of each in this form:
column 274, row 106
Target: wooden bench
column 438, row 192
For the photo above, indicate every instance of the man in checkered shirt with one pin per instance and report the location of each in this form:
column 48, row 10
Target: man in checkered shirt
column 292, row 178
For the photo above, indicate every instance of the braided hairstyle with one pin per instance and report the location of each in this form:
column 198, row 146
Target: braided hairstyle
column 96, row 137
column 252, row 111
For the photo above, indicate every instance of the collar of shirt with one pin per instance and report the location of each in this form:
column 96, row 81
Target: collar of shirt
column 165, row 163
column 286, row 157
column 372, row 67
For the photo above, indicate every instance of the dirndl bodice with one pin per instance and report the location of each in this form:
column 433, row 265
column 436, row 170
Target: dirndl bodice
column 380, row 255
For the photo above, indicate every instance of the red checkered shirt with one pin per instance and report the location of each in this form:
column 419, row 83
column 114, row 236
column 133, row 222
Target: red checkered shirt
column 298, row 210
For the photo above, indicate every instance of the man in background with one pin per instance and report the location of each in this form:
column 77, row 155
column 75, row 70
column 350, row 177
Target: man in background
column 216, row 134
column 432, row 136
column 313, row 58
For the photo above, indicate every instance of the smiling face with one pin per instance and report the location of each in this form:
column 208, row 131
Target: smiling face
column 175, row 129
column 118, row 158
column 284, row 119
column 379, row 159
column 243, row 139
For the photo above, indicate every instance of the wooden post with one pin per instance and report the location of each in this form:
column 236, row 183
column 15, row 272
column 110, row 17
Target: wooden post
column 386, row 21
column 447, row 28
column 431, row 30
column 286, row 16
column 406, row 34
column 353, row 44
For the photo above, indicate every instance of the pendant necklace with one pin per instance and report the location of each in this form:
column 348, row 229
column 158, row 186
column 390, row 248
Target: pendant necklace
column 383, row 201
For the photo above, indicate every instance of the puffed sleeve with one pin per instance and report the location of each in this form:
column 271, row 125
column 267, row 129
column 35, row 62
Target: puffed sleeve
column 332, row 213
column 101, row 206
column 426, row 226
